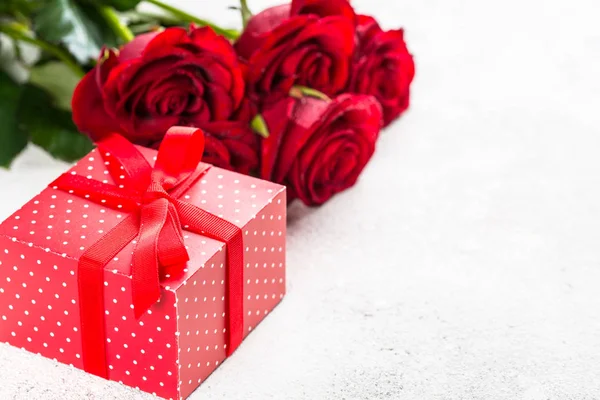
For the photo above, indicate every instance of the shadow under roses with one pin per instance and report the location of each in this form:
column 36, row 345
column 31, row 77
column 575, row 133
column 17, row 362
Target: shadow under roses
column 297, row 212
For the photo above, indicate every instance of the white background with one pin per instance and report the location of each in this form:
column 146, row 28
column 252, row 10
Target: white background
column 465, row 264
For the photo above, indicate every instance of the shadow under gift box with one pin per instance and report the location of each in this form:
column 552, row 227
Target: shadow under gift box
column 181, row 340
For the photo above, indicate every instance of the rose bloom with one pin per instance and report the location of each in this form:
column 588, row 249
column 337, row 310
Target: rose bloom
column 318, row 148
column 168, row 78
column 272, row 42
column 383, row 68
column 282, row 51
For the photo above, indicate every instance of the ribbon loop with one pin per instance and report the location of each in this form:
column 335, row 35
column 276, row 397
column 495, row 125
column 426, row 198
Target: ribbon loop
column 124, row 162
column 178, row 156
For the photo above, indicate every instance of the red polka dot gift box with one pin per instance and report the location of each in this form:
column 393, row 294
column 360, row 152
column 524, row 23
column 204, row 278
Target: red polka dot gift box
column 141, row 267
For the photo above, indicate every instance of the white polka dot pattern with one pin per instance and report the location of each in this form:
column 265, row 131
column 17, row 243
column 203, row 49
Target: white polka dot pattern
column 181, row 340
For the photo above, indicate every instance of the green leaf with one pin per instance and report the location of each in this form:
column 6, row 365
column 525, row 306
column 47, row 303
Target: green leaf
column 259, row 125
column 142, row 22
column 12, row 139
column 6, row 8
column 57, row 79
column 183, row 16
column 121, row 5
column 51, row 128
column 138, row 19
column 63, row 22
column 23, row 7
column 299, row 92
column 108, row 36
column 138, row 29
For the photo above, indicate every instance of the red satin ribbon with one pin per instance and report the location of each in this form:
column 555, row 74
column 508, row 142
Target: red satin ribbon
column 155, row 220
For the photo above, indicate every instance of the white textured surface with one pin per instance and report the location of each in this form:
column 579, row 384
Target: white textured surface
column 465, row 265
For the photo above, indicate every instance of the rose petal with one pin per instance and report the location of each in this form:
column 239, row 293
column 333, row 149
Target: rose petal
column 108, row 60
column 246, row 111
column 151, row 129
column 219, row 102
column 383, row 68
column 164, row 43
column 304, row 120
column 240, row 143
column 260, row 24
column 216, row 153
column 277, row 118
column 270, row 72
column 326, row 145
column 323, row 8
column 206, row 40
column 162, row 91
column 89, row 114
column 366, row 28
column 135, row 48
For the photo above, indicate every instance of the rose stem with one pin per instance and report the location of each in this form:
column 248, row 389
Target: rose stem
column 21, row 33
column 299, row 92
column 228, row 33
column 246, row 13
column 119, row 28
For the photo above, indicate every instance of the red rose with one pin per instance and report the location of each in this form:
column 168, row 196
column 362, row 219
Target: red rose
column 366, row 28
column 174, row 77
column 319, row 148
column 383, row 68
column 301, row 50
column 231, row 145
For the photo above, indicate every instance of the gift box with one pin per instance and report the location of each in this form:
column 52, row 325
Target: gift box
column 141, row 267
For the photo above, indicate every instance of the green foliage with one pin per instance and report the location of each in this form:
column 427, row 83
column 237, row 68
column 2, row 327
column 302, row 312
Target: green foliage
column 121, row 5
column 107, row 35
column 22, row 7
column 259, row 126
column 49, row 127
column 27, row 113
column 12, row 139
column 61, row 89
column 64, row 22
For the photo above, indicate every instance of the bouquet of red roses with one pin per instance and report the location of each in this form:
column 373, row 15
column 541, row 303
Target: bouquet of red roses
column 298, row 97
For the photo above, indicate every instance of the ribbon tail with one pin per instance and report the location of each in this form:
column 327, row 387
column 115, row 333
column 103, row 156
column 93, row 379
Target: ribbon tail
column 207, row 224
column 235, row 287
column 172, row 251
column 145, row 269
column 90, row 280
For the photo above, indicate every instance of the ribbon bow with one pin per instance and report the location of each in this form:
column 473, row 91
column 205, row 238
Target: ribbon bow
column 156, row 220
